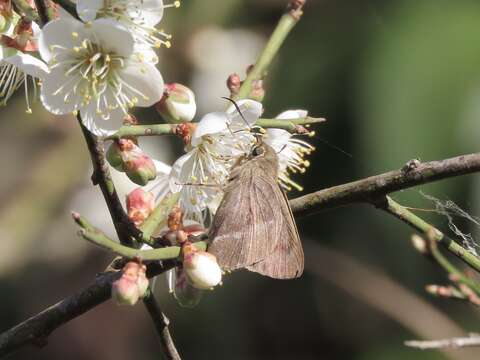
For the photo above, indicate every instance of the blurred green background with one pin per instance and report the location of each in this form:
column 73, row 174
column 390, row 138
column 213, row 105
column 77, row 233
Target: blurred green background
column 397, row 80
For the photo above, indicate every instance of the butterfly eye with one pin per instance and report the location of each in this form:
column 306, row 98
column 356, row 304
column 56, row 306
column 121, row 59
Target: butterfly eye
column 257, row 151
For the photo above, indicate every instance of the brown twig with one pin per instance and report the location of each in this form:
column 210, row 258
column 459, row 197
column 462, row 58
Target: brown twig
column 101, row 176
column 36, row 329
column 457, row 342
column 366, row 190
column 161, row 325
column 371, row 189
column 42, row 12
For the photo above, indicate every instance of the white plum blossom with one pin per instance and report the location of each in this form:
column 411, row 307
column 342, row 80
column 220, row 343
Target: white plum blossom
column 17, row 66
column 219, row 138
column 95, row 71
column 139, row 16
column 290, row 150
column 17, row 70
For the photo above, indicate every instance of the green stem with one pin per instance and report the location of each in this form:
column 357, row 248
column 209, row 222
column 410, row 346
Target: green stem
column 421, row 225
column 24, row 7
column 143, row 130
column 451, row 269
column 45, row 14
column 290, row 125
column 157, row 216
column 97, row 237
column 259, row 70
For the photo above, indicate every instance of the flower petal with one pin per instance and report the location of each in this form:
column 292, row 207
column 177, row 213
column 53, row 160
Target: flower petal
column 250, row 109
column 211, row 123
column 292, row 114
column 181, row 170
column 113, row 37
column 65, row 33
column 277, row 138
column 52, row 99
column 151, row 11
column 161, row 185
column 101, row 119
column 87, row 9
column 29, row 65
column 143, row 81
column 162, row 168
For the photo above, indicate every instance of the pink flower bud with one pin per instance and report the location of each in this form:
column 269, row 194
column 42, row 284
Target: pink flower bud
column 140, row 204
column 132, row 285
column 125, row 291
column 125, row 155
column 6, row 15
column 177, row 104
column 201, row 268
column 141, row 170
column 233, row 83
column 114, row 156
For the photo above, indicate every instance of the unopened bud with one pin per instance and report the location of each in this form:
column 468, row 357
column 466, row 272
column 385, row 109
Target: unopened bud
column 201, row 268
column 177, row 104
column 140, row 204
column 441, row 291
column 125, row 155
column 233, row 83
column 6, row 15
column 420, row 244
column 141, row 170
column 114, row 156
column 132, row 285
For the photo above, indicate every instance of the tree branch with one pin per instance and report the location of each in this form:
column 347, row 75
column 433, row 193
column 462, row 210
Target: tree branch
column 43, row 15
column 68, row 6
column 472, row 340
column 371, row 189
column 161, row 323
column 36, row 329
column 400, row 212
column 101, row 177
column 368, row 190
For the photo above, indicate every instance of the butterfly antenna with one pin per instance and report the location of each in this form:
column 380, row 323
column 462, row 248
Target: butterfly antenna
column 238, row 109
column 283, row 148
column 334, row 147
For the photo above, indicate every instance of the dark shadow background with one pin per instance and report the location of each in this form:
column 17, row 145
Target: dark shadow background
column 397, row 80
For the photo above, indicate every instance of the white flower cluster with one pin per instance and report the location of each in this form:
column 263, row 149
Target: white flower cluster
column 103, row 65
column 99, row 67
column 217, row 141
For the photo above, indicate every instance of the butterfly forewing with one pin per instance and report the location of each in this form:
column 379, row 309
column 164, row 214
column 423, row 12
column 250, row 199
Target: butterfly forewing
column 286, row 261
column 254, row 228
column 242, row 227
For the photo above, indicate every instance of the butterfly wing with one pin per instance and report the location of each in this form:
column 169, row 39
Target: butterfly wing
column 244, row 228
column 254, row 227
column 286, row 261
